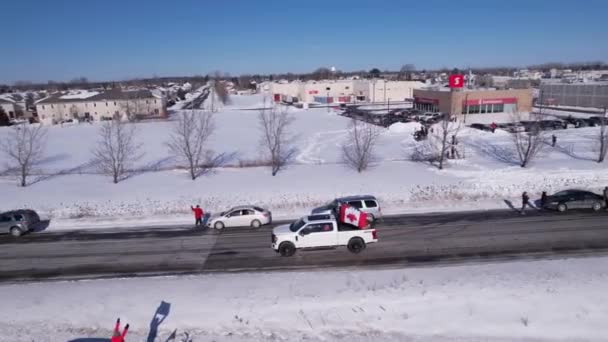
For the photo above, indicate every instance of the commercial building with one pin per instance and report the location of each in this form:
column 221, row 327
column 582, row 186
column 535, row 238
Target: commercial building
column 344, row 91
column 580, row 94
column 99, row 105
column 475, row 105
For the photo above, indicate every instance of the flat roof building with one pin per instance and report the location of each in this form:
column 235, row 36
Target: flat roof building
column 344, row 91
column 475, row 105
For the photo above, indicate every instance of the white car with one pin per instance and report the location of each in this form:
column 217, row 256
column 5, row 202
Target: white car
column 320, row 231
column 241, row 216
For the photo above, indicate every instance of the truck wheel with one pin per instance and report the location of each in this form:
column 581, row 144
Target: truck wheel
column 356, row 245
column 16, row 232
column 287, row 249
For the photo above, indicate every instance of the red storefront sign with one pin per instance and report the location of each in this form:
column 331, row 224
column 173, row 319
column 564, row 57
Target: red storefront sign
column 425, row 100
column 312, row 92
column 344, row 99
column 456, row 81
column 506, row 100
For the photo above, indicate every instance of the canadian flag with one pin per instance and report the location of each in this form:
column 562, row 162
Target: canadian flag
column 353, row 216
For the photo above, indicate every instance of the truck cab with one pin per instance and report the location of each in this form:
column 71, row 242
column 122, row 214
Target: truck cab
column 320, row 231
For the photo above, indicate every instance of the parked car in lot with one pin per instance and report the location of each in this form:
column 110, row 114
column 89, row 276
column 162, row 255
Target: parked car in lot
column 18, row 222
column 429, row 117
column 320, row 231
column 365, row 203
column 552, row 124
column 574, row 199
column 241, row 216
column 480, row 127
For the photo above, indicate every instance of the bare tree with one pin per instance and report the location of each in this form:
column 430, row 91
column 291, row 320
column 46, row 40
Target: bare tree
column 117, row 149
column 358, row 149
column 221, row 92
column 527, row 143
column 24, row 146
column 189, row 138
column 274, row 123
column 602, row 139
column 438, row 143
column 406, row 71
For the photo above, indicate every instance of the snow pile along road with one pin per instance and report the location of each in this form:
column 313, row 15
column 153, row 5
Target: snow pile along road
column 555, row 300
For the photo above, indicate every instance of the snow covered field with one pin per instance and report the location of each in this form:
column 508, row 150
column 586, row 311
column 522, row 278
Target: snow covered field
column 551, row 300
column 74, row 196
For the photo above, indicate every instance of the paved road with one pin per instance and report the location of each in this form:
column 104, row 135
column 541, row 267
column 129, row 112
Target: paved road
column 198, row 102
column 404, row 240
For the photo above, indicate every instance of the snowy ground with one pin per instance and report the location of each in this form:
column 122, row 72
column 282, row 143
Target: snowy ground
column 74, row 196
column 551, row 300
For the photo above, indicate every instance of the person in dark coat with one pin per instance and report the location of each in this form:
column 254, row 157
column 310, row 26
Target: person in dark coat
column 525, row 201
column 553, row 140
column 543, row 200
column 605, row 193
column 117, row 336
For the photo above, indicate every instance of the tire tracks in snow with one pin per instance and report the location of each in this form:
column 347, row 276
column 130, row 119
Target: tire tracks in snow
column 315, row 144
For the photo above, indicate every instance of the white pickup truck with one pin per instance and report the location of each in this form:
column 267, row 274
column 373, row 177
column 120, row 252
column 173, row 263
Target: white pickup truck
column 320, row 231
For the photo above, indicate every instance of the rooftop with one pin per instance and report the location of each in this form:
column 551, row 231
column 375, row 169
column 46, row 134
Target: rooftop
column 98, row 95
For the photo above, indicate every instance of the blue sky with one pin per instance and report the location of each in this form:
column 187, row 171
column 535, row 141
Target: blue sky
column 110, row 39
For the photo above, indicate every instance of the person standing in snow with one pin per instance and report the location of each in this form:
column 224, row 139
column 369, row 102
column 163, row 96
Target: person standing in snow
column 198, row 215
column 525, row 201
column 117, row 336
column 553, row 140
column 493, row 127
column 543, row 200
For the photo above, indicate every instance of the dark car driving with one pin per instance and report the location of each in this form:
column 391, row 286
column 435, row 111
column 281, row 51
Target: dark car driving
column 574, row 199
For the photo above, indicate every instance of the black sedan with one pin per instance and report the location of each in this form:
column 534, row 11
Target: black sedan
column 574, row 199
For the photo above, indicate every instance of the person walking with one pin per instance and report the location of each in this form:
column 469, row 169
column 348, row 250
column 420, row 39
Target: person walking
column 553, row 140
column 605, row 193
column 525, row 201
column 117, row 336
column 198, row 215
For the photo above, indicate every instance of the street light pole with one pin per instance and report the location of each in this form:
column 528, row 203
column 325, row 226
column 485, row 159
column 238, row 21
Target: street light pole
column 327, row 98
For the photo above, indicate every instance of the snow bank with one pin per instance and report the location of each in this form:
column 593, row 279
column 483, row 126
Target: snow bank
column 555, row 300
column 405, row 128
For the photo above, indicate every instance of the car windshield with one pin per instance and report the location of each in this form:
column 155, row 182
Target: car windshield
column 295, row 226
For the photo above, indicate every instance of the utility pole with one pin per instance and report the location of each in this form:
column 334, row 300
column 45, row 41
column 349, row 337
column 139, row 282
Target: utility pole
column 384, row 90
column 212, row 96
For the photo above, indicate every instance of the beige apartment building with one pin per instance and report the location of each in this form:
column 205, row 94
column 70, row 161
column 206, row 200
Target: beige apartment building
column 100, row 105
column 475, row 105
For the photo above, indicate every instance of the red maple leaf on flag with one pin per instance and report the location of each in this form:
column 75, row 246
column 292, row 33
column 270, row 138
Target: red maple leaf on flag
column 351, row 217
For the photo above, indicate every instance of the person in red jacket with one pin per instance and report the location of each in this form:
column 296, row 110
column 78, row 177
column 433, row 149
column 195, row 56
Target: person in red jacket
column 198, row 215
column 118, row 336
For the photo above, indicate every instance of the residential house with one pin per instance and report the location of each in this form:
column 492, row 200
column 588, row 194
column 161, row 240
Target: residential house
column 98, row 105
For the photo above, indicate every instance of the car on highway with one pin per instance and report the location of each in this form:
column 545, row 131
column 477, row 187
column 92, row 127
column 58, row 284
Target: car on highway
column 320, row 231
column 18, row 222
column 365, row 203
column 241, row 216
column 574, row 199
